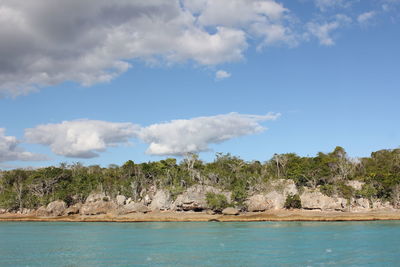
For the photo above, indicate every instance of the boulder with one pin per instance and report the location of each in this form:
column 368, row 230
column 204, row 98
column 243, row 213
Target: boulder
column 315, row 200
column 2, row 211
column 120, row 200
column 98, row 207
column 134, row 207
column 278, row 192
column 161, row 201
column 74, row 209
column 230, row 211
column 194, row 198
column 258, row 203
column 41, row 211
column 56, row 208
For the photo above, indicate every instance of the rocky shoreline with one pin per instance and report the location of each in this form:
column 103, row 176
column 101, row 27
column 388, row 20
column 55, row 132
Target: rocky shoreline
column 170, row 216
column 192, row 205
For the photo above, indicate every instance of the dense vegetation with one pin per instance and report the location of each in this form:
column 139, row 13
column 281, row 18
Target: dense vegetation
column 329, row 172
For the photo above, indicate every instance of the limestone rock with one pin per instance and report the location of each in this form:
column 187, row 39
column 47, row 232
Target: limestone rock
column 74, row 209
column 98, row 207
column 41, row 211
column 258, row 203
column 278, row 192
column 194, row 198
column 134, row 207
column 161, row 201
column 95, row 197
column 56, row 208
column 315, row 200
column 120, row 200
column 378, row 204
column 360, row 204
column 230, row 211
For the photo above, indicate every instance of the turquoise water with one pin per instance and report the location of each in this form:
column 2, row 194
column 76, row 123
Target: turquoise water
column 200, row 244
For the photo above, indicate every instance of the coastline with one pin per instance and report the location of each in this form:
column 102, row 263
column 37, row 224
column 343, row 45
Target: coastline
column 168, row 216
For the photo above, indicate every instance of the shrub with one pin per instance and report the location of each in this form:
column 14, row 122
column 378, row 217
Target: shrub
column 216, row 202
column 367, row 191
column 327, row 189
column 293, row 202
column 345, row 191
column 239, row 194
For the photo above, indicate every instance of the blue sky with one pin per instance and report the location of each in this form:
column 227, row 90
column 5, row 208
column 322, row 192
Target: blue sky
column 326, row 71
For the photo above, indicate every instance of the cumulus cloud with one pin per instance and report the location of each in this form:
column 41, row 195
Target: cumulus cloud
column 81, row 138
column 87, row 138
column 10, row 151
column 179, row 137
column 323, row 30
column 222, row 74
column 365, row 17
column 47, row 42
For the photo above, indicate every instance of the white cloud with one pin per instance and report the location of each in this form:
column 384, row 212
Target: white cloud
column 323, row 30
column 10, row 151
column 179, row 137
column 325, row 5
column 222, row 74
column 365, row 17
column 47, row 42
column 81, row 138
column 86, row 138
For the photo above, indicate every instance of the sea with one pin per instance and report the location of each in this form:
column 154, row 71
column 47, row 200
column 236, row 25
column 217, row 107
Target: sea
column 200, row 244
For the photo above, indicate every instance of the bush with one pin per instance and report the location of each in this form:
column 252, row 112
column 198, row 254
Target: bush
column 367, row 191
column 327, row 189
column 293, row 202
column 239, row 194
column 216, row 202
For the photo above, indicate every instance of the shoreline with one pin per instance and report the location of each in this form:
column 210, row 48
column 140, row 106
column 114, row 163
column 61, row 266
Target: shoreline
column 168, row 216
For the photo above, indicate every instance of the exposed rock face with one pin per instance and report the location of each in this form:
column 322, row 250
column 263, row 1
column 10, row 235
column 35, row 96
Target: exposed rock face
column 56, row 208
column 357, row 185
column 315, row 200
column 194, row 198
column 134, row 207
column 360, row 204
column 382, row 205
column 95, row 197
column 258, row 203
column 2, row 211
column 74, row 209
column 96, row 204
column 279, row 190
column 120, row 200
column 161, row 201
column 230, row 211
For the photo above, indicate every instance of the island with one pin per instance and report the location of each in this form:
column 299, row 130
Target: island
column 326, row 187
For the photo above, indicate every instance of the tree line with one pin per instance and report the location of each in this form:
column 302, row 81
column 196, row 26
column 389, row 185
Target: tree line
column 329, row 172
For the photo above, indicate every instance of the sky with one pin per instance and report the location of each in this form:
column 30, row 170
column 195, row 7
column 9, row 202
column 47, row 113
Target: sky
column 106, row 81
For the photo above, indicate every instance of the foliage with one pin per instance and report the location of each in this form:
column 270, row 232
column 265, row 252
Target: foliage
column 293, row 202
column 216, row 202
column 327, row 171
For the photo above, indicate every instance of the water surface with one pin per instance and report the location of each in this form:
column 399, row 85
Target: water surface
column 200, row 244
